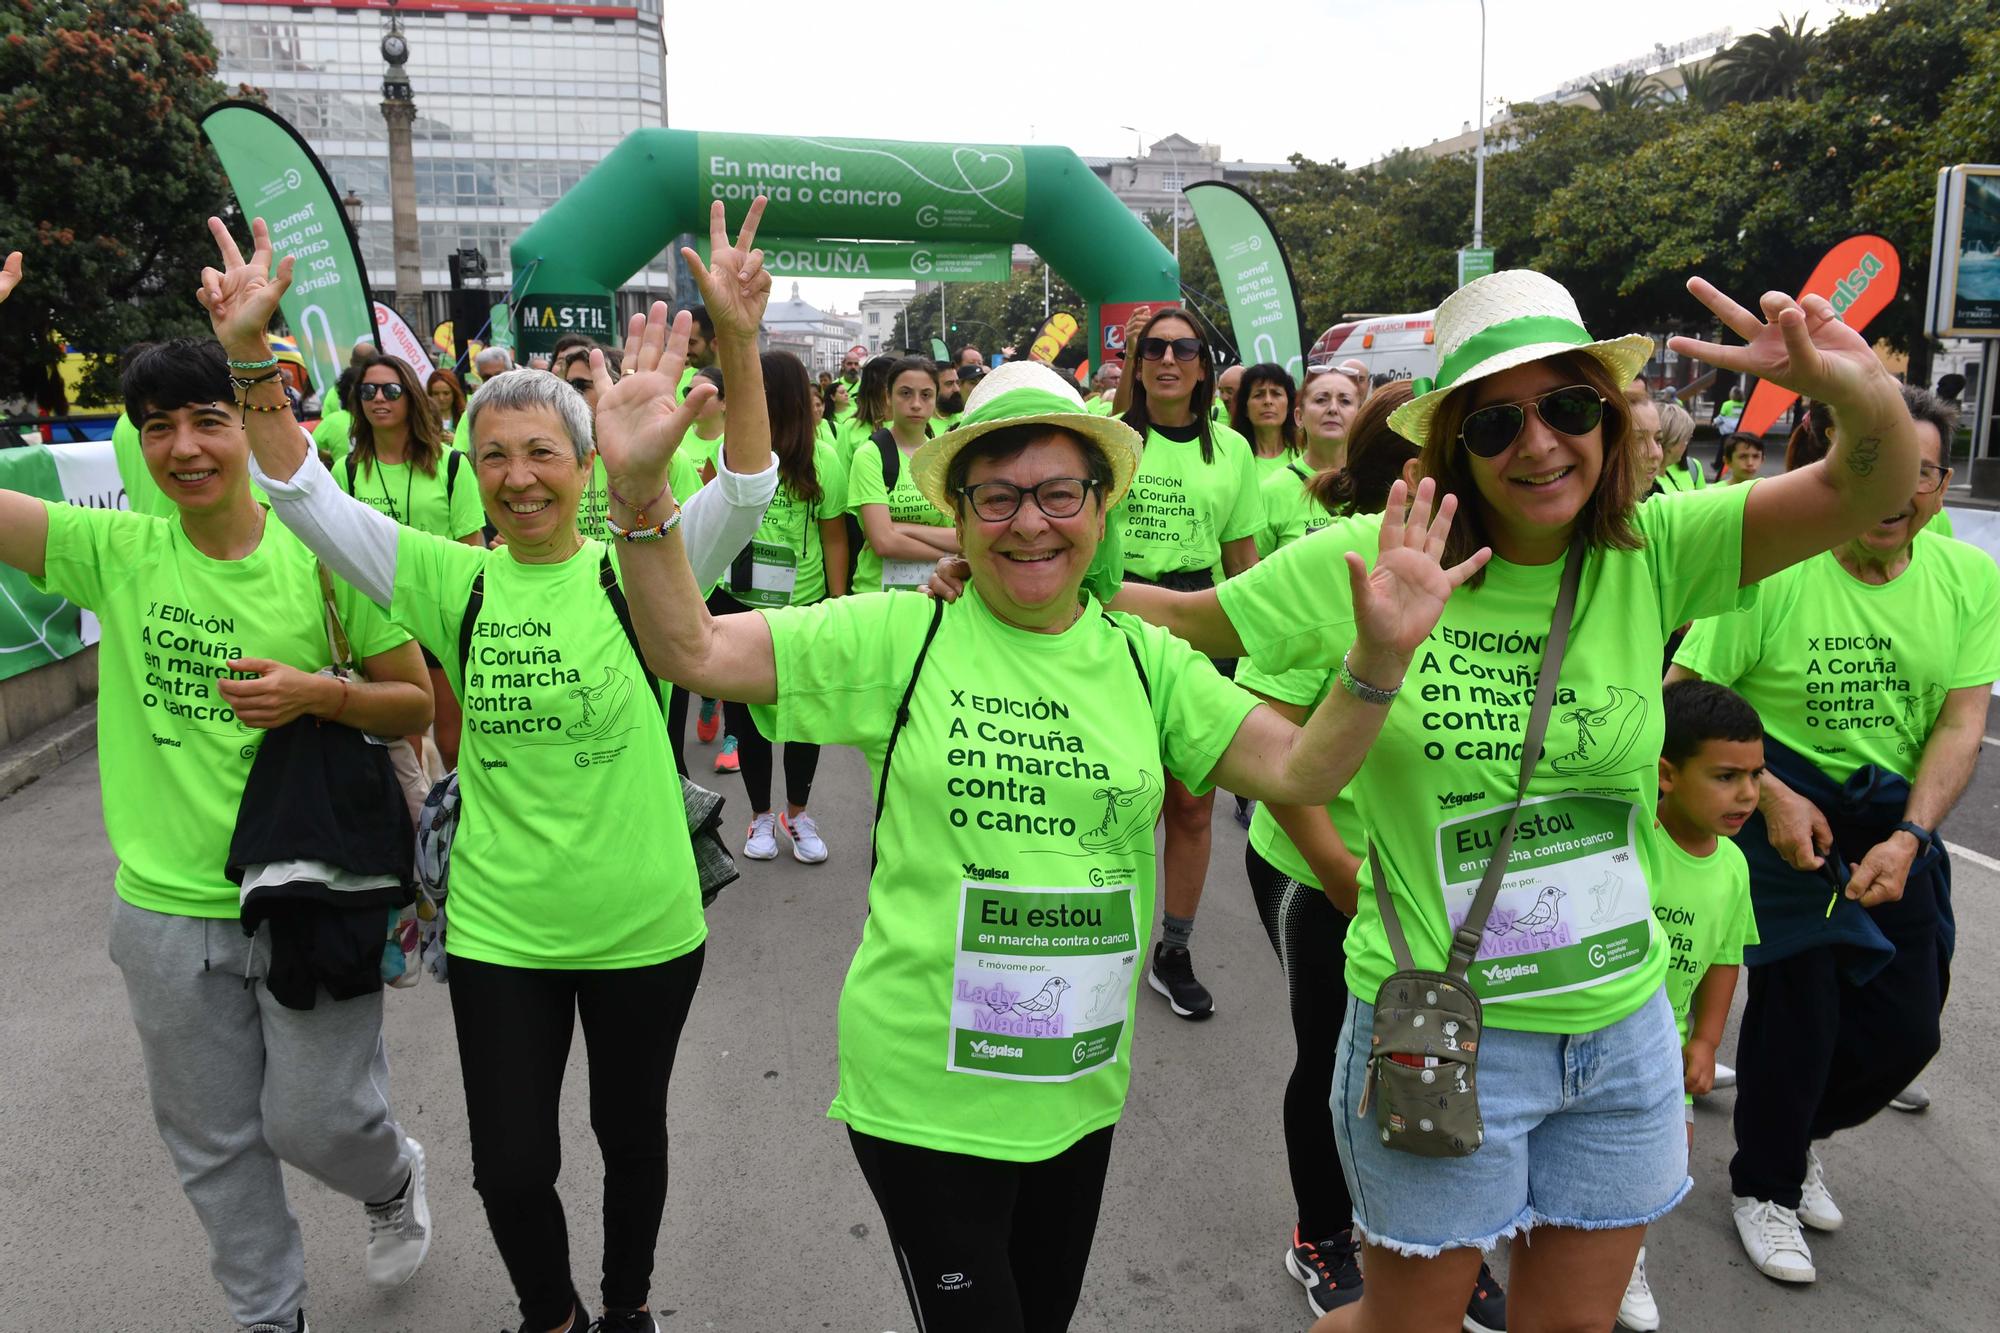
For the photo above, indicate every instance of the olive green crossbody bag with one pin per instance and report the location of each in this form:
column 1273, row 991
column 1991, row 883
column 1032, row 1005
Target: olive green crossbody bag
column 1423, row 1066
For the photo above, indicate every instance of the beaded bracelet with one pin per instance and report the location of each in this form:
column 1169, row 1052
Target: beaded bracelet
column 1362, row 690
column 644, row 534
column 254, row 365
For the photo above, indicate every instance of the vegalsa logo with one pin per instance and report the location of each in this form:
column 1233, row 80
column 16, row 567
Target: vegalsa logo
column 991, row 1051
column 1848, row 290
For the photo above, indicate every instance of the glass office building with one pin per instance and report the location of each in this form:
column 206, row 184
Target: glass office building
column 515, row 103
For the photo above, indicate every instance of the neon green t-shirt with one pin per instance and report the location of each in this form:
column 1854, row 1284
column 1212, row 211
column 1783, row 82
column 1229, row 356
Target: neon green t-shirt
column 1442, row 776
column 942, row 423
column 699, row 453
column 560, row 730
column 142, row 493
column 906, row 504
column 988, row 1008
column 435, row 502
column 1684, row 476
column 1940, row 524
column 333, row 435
column 1305, row 686
column 1275, row 463
column 1703, row 906
column 1290, row 512
column 1097, row 407
column 1180, row 510
column 461, row 434
column 785, row 562
column 1849, row 673
column 850, row 433
column 174, row 758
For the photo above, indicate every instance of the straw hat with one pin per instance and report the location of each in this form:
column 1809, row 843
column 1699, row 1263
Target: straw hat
column 1504, row 320
column 1025, row 393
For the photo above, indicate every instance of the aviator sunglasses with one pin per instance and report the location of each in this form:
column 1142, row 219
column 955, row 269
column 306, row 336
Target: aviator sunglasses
column 366, row 392
column 1574, row 410
column 1156, row 349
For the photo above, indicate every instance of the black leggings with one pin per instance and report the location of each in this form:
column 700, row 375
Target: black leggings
column 986, row 1246
column 753, row 750
column 1309, row 934
column 514, row 1026
column 677, row 722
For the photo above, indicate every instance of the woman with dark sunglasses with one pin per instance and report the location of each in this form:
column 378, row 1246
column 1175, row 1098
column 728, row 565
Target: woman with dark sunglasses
column 400, row 462
column 1194, row 509
column 1579, row 1076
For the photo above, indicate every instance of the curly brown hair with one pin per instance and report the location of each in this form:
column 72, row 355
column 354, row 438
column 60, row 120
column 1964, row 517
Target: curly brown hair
column 1606, row 518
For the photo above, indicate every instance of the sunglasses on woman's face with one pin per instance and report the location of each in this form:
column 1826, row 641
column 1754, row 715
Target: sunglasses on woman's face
column 366, row 392
column 1574, row 410
column 1156, row 349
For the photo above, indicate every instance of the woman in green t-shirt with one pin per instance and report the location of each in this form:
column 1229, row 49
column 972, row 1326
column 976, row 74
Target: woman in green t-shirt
column 1194, row 508
column 448, row 396
column 902, row 533
column 1020, row 739
column 400, row 462
column 548, row 927
column 797, row 558
column 1678, row 472
column 1527, row 426
column 1263, row 414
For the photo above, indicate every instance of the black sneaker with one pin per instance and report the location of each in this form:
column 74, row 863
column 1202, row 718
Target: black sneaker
column 1172, row 975
column 1486, row 1312
column 625, row 1321
column 1330, row 1271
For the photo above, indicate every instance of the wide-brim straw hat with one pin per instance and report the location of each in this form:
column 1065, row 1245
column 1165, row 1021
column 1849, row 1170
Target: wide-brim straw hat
column 1025, row 393
column 1503, row 320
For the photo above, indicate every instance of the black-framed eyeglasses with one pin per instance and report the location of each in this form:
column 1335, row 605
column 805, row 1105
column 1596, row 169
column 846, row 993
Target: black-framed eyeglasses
column 1930, row 476
column 583, row 385
column 1058, row 497
column 1574, row 409
column 366, row 392
column 1156, row 349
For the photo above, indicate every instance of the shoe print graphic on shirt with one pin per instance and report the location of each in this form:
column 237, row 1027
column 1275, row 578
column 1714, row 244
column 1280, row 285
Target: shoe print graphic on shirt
column 1540, row 921
column 603, row 707
column 1604, row 735
column 1608, row 895
column 1129, row 814
column 1107, row 997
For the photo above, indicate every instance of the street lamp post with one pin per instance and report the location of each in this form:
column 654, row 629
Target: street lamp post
column 1479, row 161
column 1138, row 143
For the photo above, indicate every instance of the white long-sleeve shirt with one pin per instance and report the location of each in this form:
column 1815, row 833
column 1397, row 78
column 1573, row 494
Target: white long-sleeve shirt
column 359, row 543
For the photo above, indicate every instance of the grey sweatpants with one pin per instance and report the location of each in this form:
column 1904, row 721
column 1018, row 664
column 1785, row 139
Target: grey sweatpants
column 240, row 1083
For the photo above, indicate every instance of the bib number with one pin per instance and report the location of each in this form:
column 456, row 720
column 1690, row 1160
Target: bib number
column 1574, row 908
column 773, row 574
column 906, row 573
column 1042, row 981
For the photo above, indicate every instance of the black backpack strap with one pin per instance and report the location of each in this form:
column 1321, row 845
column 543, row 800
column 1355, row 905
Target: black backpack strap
column 473, row 602
column 896, row 728
column 453, row 459
column 607, row 578
column 1299, row 472
column 350, row 471
column 892, row 459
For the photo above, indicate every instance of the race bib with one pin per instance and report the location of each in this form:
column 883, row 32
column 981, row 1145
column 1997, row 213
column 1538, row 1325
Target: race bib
column 1573, row 908
column 906, row 573
column 773, row 574
column 1043, row 975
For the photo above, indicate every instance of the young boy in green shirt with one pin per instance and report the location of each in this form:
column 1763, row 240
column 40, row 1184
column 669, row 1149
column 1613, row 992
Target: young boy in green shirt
column 1709, row 766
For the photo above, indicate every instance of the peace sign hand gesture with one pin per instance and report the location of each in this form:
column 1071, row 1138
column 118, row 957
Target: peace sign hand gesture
column 1397, row 604
column 243, row 295
column 1803, row 347
column 735, row 286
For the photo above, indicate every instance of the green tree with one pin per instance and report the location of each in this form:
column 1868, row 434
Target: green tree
column 1626, row 94
column 1768, row 64
column 107, row 182
column 1701, row 87
column 992, row 316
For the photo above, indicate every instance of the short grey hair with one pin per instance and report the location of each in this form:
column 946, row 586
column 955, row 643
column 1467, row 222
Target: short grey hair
column 487, row 355
column 525, row 390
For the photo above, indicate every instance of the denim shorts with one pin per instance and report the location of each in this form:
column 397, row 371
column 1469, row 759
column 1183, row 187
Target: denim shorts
column 1582, row 1131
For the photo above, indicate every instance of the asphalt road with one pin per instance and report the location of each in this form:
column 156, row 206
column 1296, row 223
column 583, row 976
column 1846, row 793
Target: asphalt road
column 768, row 1225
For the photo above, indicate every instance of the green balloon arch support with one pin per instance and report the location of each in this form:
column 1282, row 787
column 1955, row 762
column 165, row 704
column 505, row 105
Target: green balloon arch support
column 871, row 208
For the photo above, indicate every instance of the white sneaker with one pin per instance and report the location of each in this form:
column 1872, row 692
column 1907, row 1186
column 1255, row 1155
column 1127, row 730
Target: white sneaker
column 1816, row 1207
column 807, row 845
column 298, row 1325
column 761, row 844
column 1771, row 1237
column 1725, row 1077
column 399, row 1232
column 1912, row 1099
column 1639, row 1311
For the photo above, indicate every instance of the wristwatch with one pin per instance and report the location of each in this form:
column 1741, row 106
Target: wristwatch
column 1925, row 837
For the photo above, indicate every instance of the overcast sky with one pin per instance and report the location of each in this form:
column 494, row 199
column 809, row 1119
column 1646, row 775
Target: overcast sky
column 1347, row 79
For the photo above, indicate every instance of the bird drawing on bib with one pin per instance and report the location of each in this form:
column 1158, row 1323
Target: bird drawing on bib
column 1044, row 1001
column 1540, row 920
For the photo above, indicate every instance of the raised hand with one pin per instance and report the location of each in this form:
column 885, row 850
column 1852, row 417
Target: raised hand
column 10, row 275
column 1398, row 602
column 735, row 286
column 1801, row 346
column 242, row 296
column 638, row 423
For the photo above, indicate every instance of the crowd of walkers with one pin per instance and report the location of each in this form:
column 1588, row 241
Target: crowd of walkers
column 1541, row 731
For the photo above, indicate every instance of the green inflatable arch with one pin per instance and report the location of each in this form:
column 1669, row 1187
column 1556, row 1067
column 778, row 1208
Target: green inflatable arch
column 872, row 208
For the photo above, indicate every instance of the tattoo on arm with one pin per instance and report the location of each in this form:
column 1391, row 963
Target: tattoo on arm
column 1862, row 457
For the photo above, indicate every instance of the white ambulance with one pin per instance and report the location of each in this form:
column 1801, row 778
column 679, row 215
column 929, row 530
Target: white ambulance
column 1400, row 346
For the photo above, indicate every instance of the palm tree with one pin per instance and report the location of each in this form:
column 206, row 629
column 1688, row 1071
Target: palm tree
column 1403, row 164
column 1767, row 65
column 1632, row 92
column 1701, row 87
